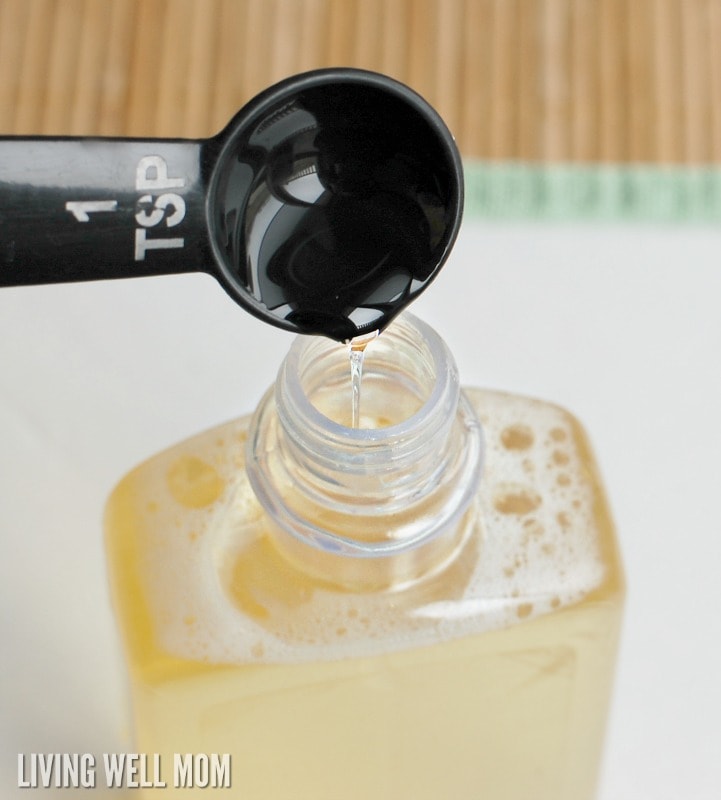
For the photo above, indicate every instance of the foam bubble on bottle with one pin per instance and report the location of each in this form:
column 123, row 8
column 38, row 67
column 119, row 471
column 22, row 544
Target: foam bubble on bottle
column 537, row 551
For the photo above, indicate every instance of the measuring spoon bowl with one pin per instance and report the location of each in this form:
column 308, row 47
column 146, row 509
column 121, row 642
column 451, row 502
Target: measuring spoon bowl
column 325, row 206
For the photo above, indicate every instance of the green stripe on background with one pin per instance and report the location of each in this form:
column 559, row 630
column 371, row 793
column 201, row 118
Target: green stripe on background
column 577, row 193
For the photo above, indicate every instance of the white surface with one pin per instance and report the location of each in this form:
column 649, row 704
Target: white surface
column 621, row 324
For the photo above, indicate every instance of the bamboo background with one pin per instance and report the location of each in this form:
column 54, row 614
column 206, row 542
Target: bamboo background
column 589, row 81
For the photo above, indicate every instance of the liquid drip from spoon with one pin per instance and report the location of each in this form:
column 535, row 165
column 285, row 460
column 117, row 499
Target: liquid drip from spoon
column 357, row 354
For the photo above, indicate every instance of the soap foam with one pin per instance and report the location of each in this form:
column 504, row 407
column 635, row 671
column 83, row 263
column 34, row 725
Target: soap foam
column 534, row 549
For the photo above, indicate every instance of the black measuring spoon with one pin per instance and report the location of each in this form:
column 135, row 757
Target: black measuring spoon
column 325, row 206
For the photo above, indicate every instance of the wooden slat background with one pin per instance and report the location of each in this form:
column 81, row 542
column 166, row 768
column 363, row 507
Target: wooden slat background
column 537, row 80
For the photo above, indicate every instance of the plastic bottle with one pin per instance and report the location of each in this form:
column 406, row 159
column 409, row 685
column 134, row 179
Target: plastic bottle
column 426, row 606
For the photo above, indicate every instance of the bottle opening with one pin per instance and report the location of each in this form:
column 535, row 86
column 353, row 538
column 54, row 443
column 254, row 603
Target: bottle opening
column 400, row 371
column 401, row 480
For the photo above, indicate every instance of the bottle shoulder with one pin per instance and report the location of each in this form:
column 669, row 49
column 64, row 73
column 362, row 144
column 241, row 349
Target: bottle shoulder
column 185, row 532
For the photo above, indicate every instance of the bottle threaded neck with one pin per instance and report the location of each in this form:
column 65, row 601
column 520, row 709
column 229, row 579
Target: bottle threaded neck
column 397, row 483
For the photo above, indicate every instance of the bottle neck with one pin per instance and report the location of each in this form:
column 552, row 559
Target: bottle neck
column 378, row 505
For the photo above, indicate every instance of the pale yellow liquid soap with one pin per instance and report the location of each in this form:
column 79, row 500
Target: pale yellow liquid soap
column 483, row 674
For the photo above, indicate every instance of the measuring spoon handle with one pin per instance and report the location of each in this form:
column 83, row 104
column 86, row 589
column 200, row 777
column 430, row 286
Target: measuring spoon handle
column 78, row 209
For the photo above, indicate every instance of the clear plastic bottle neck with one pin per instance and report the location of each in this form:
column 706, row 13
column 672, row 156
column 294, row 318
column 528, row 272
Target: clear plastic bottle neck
column 384, row 503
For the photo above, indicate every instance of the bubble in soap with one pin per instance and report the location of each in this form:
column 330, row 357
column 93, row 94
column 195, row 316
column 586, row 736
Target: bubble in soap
column 533, row 526
column 516, row 500
column 517, row 437
column 564, row 520
column 193, row 482
column 558, row 434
